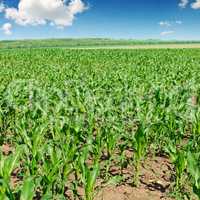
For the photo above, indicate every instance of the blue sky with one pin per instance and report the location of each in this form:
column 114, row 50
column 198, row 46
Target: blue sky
column 136, row 19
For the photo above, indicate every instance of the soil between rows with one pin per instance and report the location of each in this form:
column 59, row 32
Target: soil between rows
column 156, row 178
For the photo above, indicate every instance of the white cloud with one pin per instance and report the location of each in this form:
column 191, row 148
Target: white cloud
column 165, row 23
column 2, row 7
column 196, row 5
column 164, row 33
column 39, row 12
column 170, row 23
column 7, row 29
column 183, row 3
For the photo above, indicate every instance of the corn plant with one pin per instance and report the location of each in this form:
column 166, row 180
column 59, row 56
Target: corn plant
column 193, row 169
column 27, row 191
column 7, row 165
column 140, row 145
column 89, row 179
column 73, row 112
column 179, row 159
column 88, row 173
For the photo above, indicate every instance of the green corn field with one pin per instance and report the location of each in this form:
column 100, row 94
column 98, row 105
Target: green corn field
column 69, row 117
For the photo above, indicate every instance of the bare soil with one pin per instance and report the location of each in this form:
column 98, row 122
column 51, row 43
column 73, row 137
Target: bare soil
column 156, row 178
column 155, row 182
column 6, row 149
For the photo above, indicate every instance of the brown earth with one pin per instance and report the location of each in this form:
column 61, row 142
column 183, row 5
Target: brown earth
column 156, row 179
column 6, row 149
column 155, row 182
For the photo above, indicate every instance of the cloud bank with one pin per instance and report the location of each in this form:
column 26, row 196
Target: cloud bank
column 7, row 29
column 183, row 3
column 196, row 5
column 165, row 23
column 170, row 23
column 164, row 33
column 39, row 12
column 2, row 7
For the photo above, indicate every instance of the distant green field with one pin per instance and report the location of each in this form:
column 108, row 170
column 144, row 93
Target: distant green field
column 86, row 43
column 77, row 120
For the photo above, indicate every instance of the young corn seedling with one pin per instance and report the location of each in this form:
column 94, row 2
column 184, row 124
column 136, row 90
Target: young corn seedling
column 33, row 140
column 27, row 191
column 140, row 145
column 111, row 141
column 194, row 170
column 111, row 138
column 50, row 171
column 179, row 159
column 89, row 173
column 122, row 157
column 7, row 165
